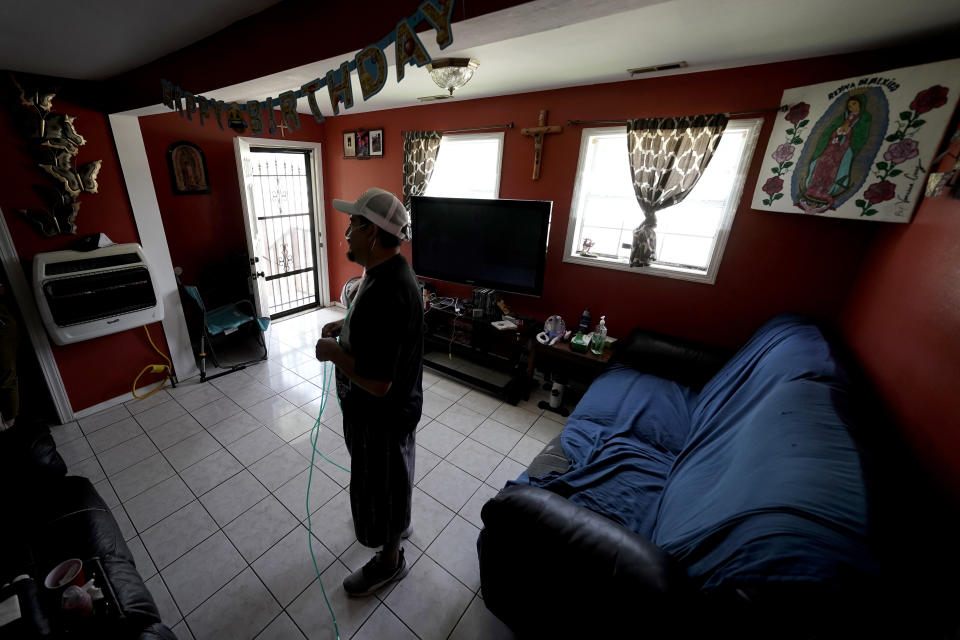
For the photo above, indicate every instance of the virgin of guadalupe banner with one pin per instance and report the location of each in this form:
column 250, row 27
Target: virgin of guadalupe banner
column 858, row 148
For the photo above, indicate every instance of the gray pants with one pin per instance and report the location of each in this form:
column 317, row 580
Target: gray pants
column 381, row 477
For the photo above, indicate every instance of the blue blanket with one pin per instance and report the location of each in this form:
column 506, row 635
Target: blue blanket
column 769, row 484
column 755, row 479
column 621, row 441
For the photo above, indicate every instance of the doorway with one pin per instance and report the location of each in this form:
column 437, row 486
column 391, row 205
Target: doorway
column 284, row 225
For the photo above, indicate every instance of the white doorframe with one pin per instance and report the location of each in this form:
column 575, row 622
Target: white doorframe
column 23, row 293
column 128, row 140
column 316, row 177
column 258, row 286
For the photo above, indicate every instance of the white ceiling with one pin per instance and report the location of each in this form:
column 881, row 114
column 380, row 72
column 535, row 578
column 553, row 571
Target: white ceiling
column 549, row 44
column 545, row 44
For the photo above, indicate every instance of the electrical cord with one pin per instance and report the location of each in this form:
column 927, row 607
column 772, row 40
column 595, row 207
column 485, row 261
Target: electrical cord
column 453, row 334
column 439, row 303
column 166, row 369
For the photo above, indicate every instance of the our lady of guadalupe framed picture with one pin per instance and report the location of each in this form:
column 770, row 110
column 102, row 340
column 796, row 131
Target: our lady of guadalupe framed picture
column 188, row 168
column 858, row 148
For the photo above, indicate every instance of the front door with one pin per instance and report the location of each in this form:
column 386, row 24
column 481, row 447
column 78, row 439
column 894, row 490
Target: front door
column 281, row 223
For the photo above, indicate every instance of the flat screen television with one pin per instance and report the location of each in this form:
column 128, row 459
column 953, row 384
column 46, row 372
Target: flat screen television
column 500, row 244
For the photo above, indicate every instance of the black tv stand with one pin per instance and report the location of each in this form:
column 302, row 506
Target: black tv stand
column 477, row 353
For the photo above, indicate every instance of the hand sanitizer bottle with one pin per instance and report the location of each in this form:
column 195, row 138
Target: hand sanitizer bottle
column 599, row 337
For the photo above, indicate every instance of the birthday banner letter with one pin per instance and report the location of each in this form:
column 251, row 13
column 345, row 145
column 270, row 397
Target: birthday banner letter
column 370, row 65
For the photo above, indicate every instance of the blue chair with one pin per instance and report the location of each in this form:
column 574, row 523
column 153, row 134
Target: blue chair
column 231, row 335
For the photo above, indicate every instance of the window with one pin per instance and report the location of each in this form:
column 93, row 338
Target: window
column 468, row 166
column 690, row 235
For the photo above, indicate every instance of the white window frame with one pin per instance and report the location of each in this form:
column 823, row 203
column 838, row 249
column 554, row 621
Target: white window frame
column 488, row 135
column 667, row 271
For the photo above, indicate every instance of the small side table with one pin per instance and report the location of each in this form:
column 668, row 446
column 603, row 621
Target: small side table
column 107, row 618
column 559, row 358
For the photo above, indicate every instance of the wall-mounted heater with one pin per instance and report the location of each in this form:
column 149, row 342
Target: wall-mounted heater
column 87, row 294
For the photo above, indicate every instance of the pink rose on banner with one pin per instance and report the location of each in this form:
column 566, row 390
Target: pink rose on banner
column 773, row 186
column 935, row 96
column 880, row 192
column 901, row 151
column 783, row 153
column 798, row 112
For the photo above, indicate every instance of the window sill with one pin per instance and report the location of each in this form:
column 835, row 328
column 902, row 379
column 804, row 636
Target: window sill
column 690, row 275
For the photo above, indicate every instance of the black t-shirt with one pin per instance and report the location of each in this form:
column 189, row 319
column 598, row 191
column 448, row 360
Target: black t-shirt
column 383, row 331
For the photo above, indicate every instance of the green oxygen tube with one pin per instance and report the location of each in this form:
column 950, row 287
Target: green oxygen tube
column 314, row 435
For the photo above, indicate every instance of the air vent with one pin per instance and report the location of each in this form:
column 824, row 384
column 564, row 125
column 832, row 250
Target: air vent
column 432, row 98
column 657, row 67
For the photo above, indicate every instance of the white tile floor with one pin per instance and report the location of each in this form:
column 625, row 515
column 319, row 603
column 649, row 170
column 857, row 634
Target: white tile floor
column 208, row 483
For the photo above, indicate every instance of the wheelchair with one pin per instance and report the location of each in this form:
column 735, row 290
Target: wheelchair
column 229, row 335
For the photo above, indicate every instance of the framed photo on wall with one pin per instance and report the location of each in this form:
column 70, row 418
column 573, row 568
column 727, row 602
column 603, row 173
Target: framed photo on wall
column 349, row 144
column 376, row 142
column 188, row 168
column 363, row 144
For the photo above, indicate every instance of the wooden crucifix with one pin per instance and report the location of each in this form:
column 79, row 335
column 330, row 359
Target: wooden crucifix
column 537, row 134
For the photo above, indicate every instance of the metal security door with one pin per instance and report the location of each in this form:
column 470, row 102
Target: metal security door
column 281, row 190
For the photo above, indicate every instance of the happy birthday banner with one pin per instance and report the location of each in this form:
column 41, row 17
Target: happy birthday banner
column 370, row 64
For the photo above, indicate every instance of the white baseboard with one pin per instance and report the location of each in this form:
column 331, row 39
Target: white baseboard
column 113, row 402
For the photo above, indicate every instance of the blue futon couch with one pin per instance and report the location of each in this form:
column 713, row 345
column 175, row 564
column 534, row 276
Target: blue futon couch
column 671, row 510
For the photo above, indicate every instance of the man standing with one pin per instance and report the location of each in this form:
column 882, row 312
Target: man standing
column 379, row 359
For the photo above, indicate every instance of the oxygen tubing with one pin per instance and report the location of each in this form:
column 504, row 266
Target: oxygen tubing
column 314, row 435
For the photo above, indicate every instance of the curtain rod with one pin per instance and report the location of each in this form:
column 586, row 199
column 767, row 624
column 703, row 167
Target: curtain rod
column 732, row 113
column 508, row 125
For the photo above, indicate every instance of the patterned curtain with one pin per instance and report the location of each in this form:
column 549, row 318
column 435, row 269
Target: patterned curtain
column 419, row 157
column 667, row 158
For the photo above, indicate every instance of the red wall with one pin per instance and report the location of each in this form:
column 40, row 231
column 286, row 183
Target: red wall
column 773, row 262
column 894, row 289
column 903, row 324
column 203, row 229
column 114, row 360
column 299, row 25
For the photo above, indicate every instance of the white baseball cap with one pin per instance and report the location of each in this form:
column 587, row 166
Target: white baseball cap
column 382, row 208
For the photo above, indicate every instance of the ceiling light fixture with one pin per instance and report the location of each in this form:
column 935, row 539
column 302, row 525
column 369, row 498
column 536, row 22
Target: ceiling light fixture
column 452, row 73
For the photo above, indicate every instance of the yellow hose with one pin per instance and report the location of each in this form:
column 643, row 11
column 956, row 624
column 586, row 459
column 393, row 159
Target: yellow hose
column 166, row 369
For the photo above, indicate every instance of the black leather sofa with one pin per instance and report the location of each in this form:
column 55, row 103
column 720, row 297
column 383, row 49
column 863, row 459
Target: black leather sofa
column 49, row 517
column 597, row 578
column 552, row 568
